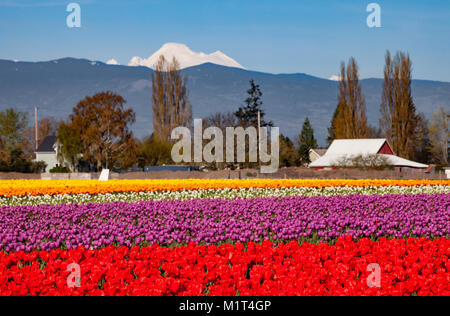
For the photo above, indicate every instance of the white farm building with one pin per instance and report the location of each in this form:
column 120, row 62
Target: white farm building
column 347, row 149
column 47, row 152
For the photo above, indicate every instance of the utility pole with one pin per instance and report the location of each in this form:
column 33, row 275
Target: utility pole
column 448, row 139
column 35, row 128
column 259, row 138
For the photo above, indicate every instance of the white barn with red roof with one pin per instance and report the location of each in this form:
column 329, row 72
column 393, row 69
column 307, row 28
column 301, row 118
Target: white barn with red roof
column 342, row 149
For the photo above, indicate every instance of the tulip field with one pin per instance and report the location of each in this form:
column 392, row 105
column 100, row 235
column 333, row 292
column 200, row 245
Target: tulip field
column 224, row 237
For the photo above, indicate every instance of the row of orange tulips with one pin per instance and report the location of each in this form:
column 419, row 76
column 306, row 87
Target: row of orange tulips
column 42, row 187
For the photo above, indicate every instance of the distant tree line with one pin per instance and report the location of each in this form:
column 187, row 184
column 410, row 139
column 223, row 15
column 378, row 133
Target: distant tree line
column 98, row 132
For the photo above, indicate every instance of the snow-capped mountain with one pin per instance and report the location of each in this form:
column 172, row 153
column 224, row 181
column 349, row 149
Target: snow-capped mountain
column 185, row 56
column 335, row 78
column 112, row 61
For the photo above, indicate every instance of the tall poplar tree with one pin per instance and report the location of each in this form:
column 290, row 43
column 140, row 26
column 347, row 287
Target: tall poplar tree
column 349, row 120
column 171, row 107
column 399, row 121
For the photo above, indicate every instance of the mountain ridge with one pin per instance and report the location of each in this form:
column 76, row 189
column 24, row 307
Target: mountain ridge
column 56, row 86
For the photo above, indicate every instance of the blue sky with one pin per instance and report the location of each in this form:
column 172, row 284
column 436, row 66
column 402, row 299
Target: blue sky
column 277, row 36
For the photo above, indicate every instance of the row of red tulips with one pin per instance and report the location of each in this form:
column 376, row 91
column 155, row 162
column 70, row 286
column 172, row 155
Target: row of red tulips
column 406, row 267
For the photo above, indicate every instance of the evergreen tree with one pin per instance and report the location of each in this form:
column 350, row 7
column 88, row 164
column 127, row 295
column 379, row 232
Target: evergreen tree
column 248, row 115
column 306, row 142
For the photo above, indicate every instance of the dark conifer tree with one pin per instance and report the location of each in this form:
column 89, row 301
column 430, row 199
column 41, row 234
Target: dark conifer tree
column 306, row 142
column 247, row 115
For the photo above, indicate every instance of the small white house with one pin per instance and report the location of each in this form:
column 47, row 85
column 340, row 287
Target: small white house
column 48, row 152
column 316, row 153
